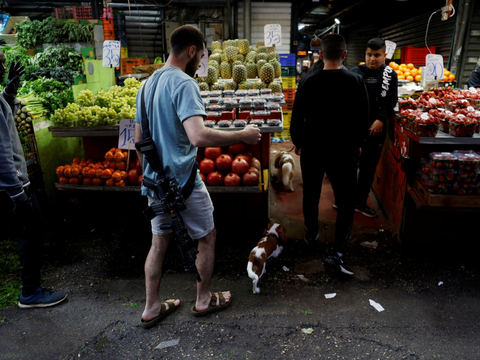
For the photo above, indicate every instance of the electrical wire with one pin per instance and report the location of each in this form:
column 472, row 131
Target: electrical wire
column 426, row 31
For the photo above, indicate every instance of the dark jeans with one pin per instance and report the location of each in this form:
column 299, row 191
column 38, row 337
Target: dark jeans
column 371, row 151
column 24, row 226
column 342, row 173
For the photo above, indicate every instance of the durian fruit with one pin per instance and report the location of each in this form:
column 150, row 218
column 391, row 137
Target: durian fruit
column 204, row 86
column 260, row 43
column 216, row 57
column 270, row 49
column 261, row 49
column 260, row 63
column 212, row 76
column 217, row 51
column 216, row 45
column 277, row 67
column 239, row 73
column 230, row 85
column 262, row 56
column 251, row 70
column 245, row 85
column 276, row 87
column 240, row 58
column 243, row 46
column 259, row 85
column 231, row 52
column 226, row 70
column 251, row 56
column 267, row 73
column 215, row 65
column 217, row 86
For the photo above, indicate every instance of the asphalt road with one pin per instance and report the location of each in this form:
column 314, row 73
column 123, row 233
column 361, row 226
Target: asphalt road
column 430, row 295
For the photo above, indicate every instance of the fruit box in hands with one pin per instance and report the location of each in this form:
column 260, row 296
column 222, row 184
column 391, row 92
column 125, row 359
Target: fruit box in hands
column 150, row 69
column 273, row 115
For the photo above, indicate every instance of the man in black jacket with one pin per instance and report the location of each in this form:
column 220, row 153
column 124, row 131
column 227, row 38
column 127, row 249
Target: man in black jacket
column 329, row 124
column 474, row 78
column 382, row 87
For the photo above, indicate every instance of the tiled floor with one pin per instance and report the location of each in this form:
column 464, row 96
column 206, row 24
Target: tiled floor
column 289, row 204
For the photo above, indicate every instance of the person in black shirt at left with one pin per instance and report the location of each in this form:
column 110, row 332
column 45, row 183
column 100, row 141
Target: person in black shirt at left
column 329, row 123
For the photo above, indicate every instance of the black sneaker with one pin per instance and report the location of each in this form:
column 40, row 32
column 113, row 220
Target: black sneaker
column 338, row 263
column 366, row 210
column 42, row 298
column 307, row 238
column 335, row 207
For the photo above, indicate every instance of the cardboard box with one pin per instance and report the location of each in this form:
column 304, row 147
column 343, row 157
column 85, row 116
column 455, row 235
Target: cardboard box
column 151, row 68
column 79, row 80
column 88, row 53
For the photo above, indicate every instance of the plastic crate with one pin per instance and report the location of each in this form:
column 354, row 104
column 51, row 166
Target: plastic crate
column 288, row 106
column 82, row 12
column 65, row 13
column 108, row 13
column 287, row 59
column 416, row 56
column 289, row 94
column 30, row 152
column 123, row 52
column 287, row 117
column 107, row 24
column 289, row 82
column 108, row 35
column 129, row 63
column 288, row 71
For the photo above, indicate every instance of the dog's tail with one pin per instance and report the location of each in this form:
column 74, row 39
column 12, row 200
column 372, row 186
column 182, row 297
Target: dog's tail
column 251, row 271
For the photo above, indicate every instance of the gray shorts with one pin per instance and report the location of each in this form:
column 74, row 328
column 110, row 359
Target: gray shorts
column 198, row 217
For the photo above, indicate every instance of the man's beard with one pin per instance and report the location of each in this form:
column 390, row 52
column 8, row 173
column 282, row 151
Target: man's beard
column 190, row 68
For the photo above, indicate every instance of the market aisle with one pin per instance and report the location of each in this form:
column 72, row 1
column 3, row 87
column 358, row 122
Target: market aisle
column 289, row 204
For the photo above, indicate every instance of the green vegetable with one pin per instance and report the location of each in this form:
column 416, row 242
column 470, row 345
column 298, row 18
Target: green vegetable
column 28, row 33
column 158, row 60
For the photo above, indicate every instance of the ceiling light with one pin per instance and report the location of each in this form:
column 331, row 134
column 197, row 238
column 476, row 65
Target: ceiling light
column 301, row 26
column 337, row 21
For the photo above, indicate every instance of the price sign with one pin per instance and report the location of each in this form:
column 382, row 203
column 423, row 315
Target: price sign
column 272, row 34
column 111, row 53
column 126, row 135
column 203, row 68
column 390, row 47
column 433, row 67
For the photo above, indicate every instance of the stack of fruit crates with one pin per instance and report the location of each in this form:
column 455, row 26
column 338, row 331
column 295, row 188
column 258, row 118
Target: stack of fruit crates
column 289, row 88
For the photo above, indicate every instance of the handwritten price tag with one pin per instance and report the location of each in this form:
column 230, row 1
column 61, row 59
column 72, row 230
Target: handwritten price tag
column 203, row 68
column 390, row 47
column 272, row 34
column 126, row 134
column 433, row 67
column 111, row 53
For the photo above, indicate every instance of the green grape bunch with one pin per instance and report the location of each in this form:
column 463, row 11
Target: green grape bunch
column 103, row 99
column 85, row 98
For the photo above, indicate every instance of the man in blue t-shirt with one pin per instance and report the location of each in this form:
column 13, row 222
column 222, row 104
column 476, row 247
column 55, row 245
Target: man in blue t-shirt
column 176, row 116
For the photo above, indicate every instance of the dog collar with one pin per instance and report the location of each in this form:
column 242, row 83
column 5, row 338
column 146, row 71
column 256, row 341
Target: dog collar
column 274, row 236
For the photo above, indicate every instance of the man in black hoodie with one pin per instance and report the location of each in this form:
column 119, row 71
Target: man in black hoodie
column 329, row 124
column 19, row 212
column 382, row 89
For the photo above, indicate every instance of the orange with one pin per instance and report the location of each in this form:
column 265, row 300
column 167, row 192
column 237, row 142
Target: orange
column 406, row 73
column 361, row 63
column 410, row 66
column 446, row 72
column 97, row 182
column 451, row 77
column 418, row 78
column 87, row 181
column 414, row 72
column 399, row 72
column 401, row 77
column 410, row 78
column 393, row 65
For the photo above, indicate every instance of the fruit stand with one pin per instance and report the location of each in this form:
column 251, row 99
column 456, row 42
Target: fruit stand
column 427, row 178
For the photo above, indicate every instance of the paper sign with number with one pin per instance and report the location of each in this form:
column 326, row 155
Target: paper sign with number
column 111, row 53
column 390, row 47
column 433, row 67
column 203, row 68
column 126, row 135
column 272, row 34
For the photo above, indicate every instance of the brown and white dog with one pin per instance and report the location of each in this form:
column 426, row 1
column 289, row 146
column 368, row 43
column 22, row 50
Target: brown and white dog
column 285, row 164
column 270, row 245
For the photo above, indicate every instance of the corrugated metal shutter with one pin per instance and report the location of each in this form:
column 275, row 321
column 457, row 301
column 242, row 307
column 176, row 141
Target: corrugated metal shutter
column 356, row 45
column 267, row 13
column 472, row 46
column 412, row 33
column 145, row 33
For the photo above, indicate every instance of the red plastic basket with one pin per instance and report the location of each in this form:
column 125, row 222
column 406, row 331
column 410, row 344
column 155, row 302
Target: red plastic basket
column 107, row 24
column 82, row 12
column 64, row 13
column 289, row 94
column 416, row 56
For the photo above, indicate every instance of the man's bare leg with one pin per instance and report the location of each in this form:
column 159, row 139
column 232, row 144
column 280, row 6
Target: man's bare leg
column 153, row 275
column 205, row 263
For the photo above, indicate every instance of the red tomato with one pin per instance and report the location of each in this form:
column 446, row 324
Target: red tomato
column 133, row 176
column 215, row 178
column 138, row 167
column 123, row 175
column 108, row 156
column 121, row 165
column 63, row 180
column 119, row 156
column 59, row 171
column 87, row 181
column 250, row 178
column 224, row 162
column 110, row 182
column 97, row 182
column 73, row 181
column 107, row 174
column 232, row 179
column 240, row 166
column 203, row 178
column 92, row 173
column 213, row 152
column 116, row 176
column 85, row 171
column 140, row 178
column 120, row 183
column 76, row 160
column 236, row 148
column 207, row 166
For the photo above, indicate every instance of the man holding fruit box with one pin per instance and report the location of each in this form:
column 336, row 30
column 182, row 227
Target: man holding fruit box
column 176, row 114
